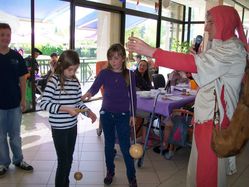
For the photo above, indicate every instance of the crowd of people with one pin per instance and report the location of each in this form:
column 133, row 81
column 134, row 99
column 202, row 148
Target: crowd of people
column 219, row 68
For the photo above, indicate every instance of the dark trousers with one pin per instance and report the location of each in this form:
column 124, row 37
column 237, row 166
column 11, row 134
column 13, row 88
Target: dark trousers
column 64, row 142
column 120, row 122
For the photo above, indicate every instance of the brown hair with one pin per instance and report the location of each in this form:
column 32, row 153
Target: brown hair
column 5, row 26
column 67, row 58
column 120, row 50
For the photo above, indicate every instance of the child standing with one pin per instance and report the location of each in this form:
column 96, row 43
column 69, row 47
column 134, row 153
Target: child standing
column 62, row 98
column 116, row 110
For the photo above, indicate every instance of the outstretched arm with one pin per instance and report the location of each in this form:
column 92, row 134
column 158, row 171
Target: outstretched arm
column 173, row 60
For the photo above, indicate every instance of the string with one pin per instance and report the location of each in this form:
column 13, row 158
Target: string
column 132, row 107
column 78, row 145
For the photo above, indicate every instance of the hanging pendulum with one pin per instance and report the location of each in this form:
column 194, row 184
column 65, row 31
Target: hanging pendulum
column 78, row 175
column 136, row 150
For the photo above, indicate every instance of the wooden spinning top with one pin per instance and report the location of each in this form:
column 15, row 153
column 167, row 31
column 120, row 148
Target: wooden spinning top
column 78, row 175
column 136, row 151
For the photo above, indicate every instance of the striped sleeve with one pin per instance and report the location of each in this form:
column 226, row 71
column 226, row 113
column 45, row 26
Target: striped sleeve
column 47, row 102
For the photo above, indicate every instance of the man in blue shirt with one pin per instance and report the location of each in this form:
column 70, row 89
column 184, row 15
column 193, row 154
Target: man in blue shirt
column 12, row 102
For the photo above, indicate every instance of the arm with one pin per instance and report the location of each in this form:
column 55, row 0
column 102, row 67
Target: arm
column 174, row 60
column 48, row 96
column 23, row 92
column 178, row 61
column 94, row 88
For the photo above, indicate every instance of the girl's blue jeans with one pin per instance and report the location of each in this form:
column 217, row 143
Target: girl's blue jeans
column 119, row 122
column 10, row 125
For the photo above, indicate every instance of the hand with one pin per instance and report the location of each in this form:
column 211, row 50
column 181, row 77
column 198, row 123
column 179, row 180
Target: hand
column 139, row 46
column 132, row 121
column 71, row 110
column 192, row 51
column 92, row 116
column 23, row 105
column 86, row 97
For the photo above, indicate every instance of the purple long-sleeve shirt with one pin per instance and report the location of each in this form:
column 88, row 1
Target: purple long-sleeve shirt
column 116, row 96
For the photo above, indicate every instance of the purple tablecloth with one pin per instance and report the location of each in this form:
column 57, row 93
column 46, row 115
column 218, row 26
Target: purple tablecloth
column 163, row 107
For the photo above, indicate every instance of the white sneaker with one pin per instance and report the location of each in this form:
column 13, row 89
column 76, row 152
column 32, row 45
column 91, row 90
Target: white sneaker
column 169, row 155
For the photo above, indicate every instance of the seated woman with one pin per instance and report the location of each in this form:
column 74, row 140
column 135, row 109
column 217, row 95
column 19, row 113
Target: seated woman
column 143, row 82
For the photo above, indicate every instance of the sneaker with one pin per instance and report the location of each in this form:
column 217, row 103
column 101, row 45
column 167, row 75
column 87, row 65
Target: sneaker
column 169, row 155
column 3, row 170
column 23, row 165
column 157, row 149
column 133, row 182
column 109, row 177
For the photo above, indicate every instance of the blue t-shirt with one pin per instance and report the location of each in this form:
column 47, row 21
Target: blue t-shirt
column 12, row 68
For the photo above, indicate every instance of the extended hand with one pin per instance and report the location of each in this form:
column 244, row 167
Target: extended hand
column 140, row 47
column 87, row 96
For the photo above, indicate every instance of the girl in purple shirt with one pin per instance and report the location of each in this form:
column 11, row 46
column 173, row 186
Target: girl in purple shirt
column 115, row 113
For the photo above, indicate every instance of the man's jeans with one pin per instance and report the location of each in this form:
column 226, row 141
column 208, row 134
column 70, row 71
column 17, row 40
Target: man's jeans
column 10, row 124
column 120, row 122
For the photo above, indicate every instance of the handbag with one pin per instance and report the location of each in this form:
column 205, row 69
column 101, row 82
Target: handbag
column 230, row 141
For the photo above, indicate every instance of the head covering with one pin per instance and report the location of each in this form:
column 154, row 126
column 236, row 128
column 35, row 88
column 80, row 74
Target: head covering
column 37, row 51
column 227, row 20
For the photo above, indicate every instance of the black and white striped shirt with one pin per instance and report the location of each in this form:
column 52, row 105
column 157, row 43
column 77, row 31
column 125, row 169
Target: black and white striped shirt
column 53, row 98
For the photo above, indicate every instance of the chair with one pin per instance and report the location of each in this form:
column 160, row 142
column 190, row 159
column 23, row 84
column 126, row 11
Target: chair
column 99, row 66
column 158, row 81
column 180, row 134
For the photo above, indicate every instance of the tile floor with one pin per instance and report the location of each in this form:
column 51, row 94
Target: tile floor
column 38, row 150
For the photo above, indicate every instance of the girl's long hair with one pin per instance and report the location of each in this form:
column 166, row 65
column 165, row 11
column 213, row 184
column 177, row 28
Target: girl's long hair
column 118, row 48
column 66, row 59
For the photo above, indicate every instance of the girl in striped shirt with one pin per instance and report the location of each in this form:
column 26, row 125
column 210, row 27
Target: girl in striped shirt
column 62, row 99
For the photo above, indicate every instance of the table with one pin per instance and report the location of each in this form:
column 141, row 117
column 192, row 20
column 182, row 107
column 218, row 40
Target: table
column 156, row 104
column 163, row 107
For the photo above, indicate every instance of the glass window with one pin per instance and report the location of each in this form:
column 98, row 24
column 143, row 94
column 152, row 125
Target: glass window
column 174, row 10
column 171, row 33
column 198, row 13
column 196, row 29
column 229, row 3
column 17, row 15
column 109, row 2
column 142, row 28
column 52, row 25
column 246, row 24
column 143, row 6
column 95, row 31
column 239, row 10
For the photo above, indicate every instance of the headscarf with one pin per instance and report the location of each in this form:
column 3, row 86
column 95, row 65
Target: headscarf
column 227, row 20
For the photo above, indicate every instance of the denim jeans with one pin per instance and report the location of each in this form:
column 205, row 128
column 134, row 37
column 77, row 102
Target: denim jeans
column 120, row 122
column 10, row 124
column 64, row 142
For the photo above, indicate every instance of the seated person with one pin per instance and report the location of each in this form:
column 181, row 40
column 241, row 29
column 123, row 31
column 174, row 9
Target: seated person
column 177, row 77
column 143, row 82
column 175, row 121
column 152, row 67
